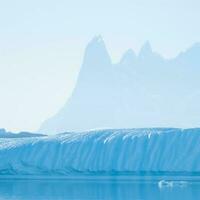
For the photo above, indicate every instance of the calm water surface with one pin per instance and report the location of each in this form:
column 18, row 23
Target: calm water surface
column 96, row 189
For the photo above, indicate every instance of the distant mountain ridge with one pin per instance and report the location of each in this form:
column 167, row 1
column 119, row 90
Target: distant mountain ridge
column 5, row 134
column 143, row 90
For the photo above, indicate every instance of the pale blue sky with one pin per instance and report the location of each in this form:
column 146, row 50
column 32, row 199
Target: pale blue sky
column 42, row 44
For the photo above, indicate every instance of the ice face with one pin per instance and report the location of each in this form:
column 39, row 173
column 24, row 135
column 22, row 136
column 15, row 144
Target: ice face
column 103, row 152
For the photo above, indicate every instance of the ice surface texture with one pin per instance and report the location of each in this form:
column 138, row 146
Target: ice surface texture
column 103, row 152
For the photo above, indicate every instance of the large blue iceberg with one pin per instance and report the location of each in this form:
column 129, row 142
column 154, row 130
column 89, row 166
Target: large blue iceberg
column 112, row 151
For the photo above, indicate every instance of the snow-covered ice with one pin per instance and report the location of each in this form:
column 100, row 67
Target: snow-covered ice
column 103, row 151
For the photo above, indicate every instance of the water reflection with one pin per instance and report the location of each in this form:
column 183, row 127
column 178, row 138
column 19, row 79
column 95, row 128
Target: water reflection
column 93, row 190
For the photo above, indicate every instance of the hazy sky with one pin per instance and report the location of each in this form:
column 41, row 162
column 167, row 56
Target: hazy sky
column 42, row 44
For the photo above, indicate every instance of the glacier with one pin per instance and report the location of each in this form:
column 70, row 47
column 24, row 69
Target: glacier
column 109, row 151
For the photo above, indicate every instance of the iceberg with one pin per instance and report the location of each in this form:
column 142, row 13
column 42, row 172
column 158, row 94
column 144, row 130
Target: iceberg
column 103, row 152
column 164, row 183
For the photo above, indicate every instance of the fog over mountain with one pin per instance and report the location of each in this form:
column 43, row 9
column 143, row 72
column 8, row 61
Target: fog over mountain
column 144, row 90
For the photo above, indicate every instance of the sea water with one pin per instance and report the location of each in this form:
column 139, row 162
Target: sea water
column 133, row 188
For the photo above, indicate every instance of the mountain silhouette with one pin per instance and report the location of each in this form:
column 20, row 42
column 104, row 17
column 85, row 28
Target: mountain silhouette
column 23, row 134
column 144, row 90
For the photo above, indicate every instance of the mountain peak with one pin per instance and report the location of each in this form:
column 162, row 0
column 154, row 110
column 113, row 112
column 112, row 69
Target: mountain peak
column 97, row 40
column 128, row 57
column 145, row 50
column 96, row 54
column 131, row 92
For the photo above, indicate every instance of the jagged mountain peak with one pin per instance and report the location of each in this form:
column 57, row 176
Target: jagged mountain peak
column 128, row 57
column 146, row 49
column 97, row 39
column 145, row 87
column 96, row 52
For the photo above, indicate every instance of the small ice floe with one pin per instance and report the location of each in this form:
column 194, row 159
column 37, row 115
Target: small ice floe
column 164, row 183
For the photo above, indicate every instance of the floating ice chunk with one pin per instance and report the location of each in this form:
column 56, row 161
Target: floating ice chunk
column 164, row 183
